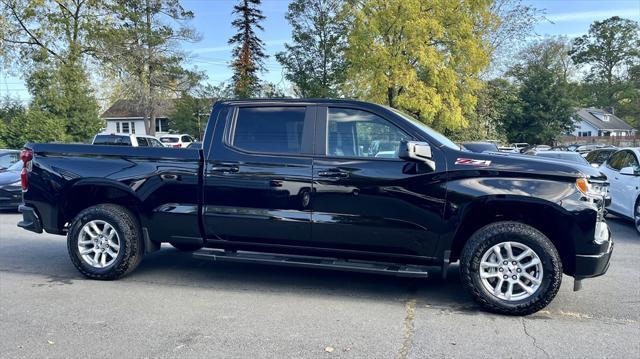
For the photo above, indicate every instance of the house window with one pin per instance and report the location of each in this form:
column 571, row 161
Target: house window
column 162, row 124
column 133, row 127
column 125, row 127
column 117, row 127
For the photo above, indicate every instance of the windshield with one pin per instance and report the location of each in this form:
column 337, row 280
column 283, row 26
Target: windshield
column 15, row 167
column 428, row 130
column 169, row 139
column 7, row 159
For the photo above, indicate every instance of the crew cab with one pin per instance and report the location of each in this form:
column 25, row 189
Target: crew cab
column 334, row 184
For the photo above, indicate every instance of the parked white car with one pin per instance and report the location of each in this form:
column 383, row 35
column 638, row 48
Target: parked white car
column 177, row 141
column 623, row 171
column 126, row 139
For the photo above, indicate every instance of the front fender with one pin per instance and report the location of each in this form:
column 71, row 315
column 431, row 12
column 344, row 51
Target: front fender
column 553, row 207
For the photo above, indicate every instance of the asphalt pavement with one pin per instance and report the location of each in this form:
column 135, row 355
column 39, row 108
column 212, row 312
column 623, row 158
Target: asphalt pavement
column 176, row 306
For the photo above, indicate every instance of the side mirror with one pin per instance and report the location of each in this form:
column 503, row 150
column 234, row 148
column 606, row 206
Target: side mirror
column 416, row 151
column 628, row 171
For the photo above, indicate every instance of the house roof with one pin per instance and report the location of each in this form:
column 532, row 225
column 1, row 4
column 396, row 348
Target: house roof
column 593, row 116
column 132, row 109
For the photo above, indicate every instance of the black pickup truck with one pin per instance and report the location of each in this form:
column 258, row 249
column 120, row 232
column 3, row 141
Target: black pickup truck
column 334, row 184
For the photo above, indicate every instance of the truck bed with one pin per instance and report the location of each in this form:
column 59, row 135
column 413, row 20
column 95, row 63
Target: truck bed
column 148, row 178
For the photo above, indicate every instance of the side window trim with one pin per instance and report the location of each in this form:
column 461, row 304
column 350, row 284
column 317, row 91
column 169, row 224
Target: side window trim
column 322, row 133
column 307, row 131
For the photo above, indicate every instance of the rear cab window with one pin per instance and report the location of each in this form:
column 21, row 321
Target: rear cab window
column 169, row 139
column 112, row 140
column 269, row 129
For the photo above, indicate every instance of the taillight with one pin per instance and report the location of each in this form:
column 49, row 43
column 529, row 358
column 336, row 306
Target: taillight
column 26, row 156
column 24, row 179
column 177, row 146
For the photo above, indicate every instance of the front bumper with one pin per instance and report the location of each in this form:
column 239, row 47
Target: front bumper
column 594, row 265
column 30, row 220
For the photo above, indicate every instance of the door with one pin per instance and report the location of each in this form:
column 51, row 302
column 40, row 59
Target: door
column 367, row 199
column 621, row 186
column 258, row 176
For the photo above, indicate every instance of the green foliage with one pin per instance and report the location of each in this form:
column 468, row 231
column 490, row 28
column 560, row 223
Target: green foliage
column 496, row 100
column 610, row 45
column 32, row 125
column 64, row 94
column 193, row 108
column 543, row 109
column 139, row 46
column 314, row 61
column 611, row 50
column 249, row 49
column 421, row 56
column 9, row 109
column 50, row 41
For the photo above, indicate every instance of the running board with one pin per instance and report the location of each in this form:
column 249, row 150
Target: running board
column 399, row 270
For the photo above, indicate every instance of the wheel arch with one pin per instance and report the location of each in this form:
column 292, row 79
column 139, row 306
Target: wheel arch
column 545, row 216
column 93, row 191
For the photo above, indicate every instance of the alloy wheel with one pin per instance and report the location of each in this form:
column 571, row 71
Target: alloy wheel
column 98, row 244
column 511, row 271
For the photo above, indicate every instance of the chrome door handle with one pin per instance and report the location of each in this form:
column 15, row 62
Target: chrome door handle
column 225, row 169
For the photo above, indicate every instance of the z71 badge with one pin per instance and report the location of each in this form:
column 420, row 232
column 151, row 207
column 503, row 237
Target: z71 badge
column 472, row 162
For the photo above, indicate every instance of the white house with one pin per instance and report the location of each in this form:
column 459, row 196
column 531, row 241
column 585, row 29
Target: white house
column 125, row 117
column 595, row 122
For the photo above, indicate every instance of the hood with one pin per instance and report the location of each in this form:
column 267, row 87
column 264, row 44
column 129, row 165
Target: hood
column 8, row 177
column 526, row 164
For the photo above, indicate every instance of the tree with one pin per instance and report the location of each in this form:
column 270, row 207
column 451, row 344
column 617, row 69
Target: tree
column 314, row 62
column 609, row 46
column 51, row 41
column 611, row 51
column 249, row 49
column 543, row 109
column 193, row 108
column 496, row 100
column 423, row 57
column 512, row 24
column 140, row 48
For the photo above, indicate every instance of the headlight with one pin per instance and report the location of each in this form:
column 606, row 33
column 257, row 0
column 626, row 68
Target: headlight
column 592, row 188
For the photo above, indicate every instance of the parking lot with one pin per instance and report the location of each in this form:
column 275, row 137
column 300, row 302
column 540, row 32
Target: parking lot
column 174, row 305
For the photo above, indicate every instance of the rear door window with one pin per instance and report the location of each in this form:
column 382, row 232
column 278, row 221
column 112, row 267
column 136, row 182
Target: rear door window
column 269, row 129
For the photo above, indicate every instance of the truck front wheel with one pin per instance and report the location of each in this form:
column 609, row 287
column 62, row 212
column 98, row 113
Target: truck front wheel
column 511, row 268
column 105, row 242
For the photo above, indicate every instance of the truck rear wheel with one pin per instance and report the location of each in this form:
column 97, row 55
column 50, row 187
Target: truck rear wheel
column 511, row 268
column 105, row 242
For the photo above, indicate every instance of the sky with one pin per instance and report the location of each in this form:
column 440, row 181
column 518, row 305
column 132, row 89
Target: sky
column 213, row 18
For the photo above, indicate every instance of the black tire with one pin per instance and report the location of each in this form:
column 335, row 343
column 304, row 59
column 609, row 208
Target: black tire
column 492, row 234
column 182, row 247
column 130, row 235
